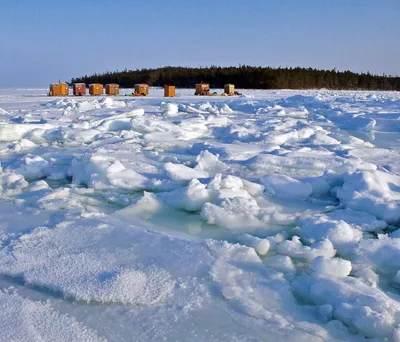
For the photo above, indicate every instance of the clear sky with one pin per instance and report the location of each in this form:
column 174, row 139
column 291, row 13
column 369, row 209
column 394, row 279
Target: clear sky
column 42, row 41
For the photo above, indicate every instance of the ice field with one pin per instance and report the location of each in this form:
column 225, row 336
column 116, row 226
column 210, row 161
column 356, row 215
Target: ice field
column 272, row 216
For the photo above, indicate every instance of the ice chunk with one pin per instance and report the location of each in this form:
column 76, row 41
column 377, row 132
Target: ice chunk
column 261, row 246
column 210, row 163
column 85, row 106
column 280, row 263
column 127, row 179
column 225, row 109
column 144, row 207
column 323, row 138
column 24, row 144
column 358, row 219
column 182, row 173
column 320, row 227
column 383, row 253
column 269, row 162
column 331, row 266
column 14, row 132
column 170, row 109
column 231, row 182
column 101, row 172
column 190, row 198
column 38, row 185
column 397, row 277
column 233, row 213
column 367, row 309
column 108, row 102
column 123, row 178
column 295, row 249
column 326, row 311
column 33, row 167
column 365, row 274
column 12, row 184
column 374, row 192
column 282, row 186
column 305, row 164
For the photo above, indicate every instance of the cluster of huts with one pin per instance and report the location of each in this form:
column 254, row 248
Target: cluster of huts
column 79, row 89
column 204, row 90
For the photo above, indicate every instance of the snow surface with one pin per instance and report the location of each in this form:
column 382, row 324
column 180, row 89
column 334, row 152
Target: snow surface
column 272, row 216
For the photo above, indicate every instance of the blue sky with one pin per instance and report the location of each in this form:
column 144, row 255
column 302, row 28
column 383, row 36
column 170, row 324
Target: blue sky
column 42, row 41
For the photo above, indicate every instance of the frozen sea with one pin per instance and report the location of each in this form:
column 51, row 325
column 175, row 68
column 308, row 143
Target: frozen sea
column 271, row 216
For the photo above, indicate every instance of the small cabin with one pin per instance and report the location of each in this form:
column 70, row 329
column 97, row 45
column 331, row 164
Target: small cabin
column 229, row 89
column 96, row 89
column 142, row 89
column 202, row 89
column 59, row 89
column 169, row 91
column 79, row 89
column 112, row 89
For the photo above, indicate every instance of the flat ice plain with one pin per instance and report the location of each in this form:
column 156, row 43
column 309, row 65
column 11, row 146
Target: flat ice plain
column 273, row 216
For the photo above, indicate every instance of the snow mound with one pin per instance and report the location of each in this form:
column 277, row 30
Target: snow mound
column 84, row 106
column 26, row 320
column 297, row 164
column 365, row 310
column 265, row 295
column 95, row 282
column 383, row 254
column 87, row 261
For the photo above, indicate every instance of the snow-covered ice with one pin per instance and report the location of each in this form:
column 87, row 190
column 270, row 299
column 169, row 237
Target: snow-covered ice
column 272, row 216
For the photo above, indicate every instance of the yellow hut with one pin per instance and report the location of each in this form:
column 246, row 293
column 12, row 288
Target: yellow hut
column 229, row 89
column 96, row 89
column 59, row 89
column 169, row 91
column 142, row 89
column 112, row 89
column 202, row 89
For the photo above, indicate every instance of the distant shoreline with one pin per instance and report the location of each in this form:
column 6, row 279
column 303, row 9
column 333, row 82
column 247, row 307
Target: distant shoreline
column 247, row 77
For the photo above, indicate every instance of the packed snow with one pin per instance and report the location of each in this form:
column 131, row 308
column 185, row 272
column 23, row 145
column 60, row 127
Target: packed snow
column 272, row 216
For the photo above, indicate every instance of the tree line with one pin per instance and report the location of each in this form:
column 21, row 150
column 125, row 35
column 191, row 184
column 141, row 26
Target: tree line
column 246, row 77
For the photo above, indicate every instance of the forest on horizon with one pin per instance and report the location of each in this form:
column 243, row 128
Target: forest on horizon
column 246, row 77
